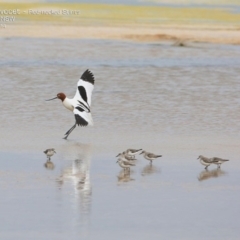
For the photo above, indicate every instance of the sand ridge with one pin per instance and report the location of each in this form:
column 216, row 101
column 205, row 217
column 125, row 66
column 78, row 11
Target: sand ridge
column 140, row 33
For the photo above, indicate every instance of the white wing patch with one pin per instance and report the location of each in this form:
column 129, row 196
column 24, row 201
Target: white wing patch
column 86, row 116
column 82, row 99
column 85, row 87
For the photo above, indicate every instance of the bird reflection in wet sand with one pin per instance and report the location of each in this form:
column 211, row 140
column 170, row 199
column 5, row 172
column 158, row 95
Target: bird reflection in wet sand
column 124, row 176
column 204, row 175
column 150, row 169
column 49, row 165
column 76, row 173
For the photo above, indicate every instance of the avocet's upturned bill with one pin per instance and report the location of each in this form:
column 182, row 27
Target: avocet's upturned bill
column 80, row 104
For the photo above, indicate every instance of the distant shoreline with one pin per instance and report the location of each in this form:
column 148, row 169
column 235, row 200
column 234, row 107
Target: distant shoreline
column 122, row 22
column 179, row 34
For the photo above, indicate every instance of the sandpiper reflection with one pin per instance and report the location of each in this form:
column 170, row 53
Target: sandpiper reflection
column 206, row 174
column 124, row 176
column 49, row 165
column 150, row 169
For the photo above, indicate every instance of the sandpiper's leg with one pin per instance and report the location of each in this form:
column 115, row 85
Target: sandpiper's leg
column 206, row 167
column 69, row 131
column 219, row 165
column 150, row 162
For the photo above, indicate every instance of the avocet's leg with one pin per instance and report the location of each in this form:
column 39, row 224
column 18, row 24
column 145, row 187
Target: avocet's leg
column 69, row 131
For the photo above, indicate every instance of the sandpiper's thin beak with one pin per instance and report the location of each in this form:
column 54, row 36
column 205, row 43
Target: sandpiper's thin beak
column 197, row 158
column 118, row 155
column 51, row 99
column 141, row 152
column 116, row 161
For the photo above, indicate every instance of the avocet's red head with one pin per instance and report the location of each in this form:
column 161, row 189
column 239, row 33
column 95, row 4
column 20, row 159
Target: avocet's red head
column 61, row 96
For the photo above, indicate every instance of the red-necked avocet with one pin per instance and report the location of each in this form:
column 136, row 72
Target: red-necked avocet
column 80, row 104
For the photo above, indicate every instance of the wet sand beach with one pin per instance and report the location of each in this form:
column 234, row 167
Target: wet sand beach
column 194, row 23
column 176, row 34
column 179, row 101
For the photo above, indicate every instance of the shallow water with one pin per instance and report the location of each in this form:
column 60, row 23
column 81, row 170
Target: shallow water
column 141, row 89
column 87, row 196
column 176, row 101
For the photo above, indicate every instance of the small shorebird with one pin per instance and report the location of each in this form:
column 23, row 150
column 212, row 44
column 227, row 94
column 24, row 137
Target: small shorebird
column 150, row 156
column 126, row 156
column 125, row 164
column 208, row 161
column 218, row 161
column 81, row 102
column 205, row 161
column 132, row 152
column 49, row 152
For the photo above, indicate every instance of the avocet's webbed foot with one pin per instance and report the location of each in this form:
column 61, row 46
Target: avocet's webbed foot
column 69, row 131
